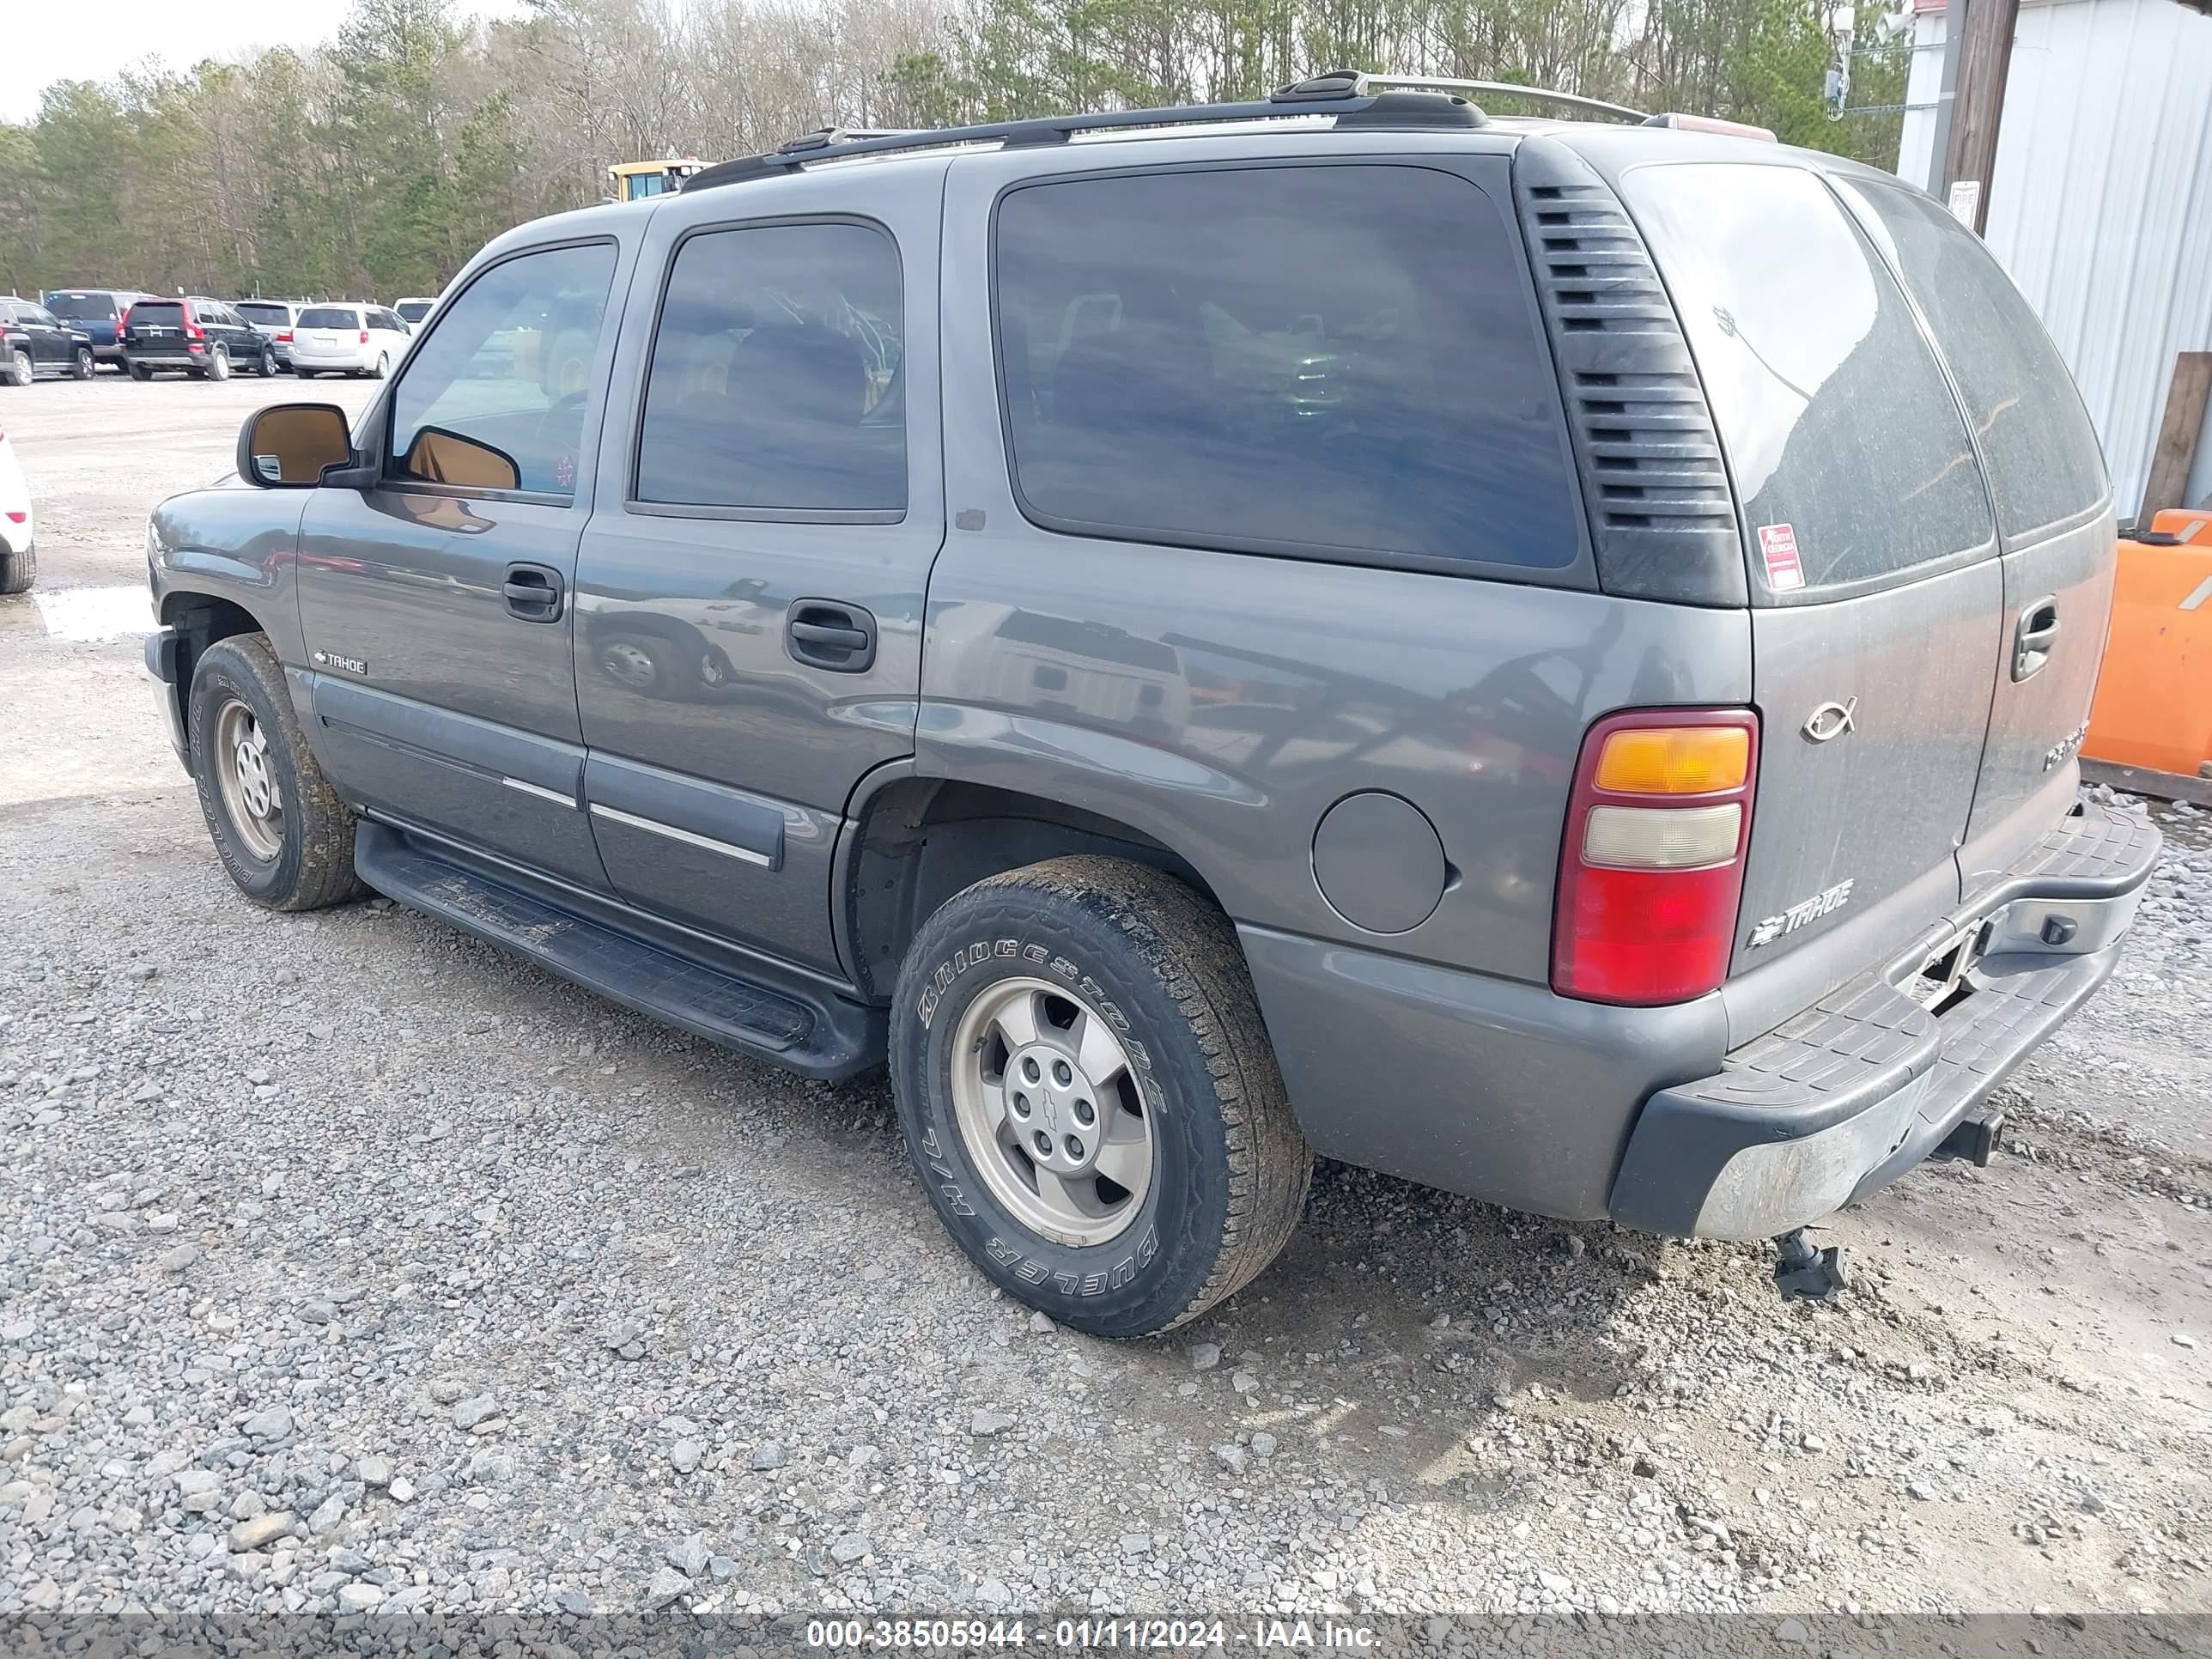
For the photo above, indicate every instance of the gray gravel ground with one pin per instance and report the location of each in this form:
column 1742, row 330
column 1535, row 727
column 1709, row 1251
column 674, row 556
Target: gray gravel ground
column 346, row 1263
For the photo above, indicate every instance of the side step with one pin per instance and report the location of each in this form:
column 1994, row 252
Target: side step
column 815, row 1035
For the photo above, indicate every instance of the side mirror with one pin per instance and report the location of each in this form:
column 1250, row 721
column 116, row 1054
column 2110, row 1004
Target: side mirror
column 437, row 456
column 288, row 445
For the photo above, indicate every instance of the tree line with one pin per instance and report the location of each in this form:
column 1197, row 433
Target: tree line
column 374, row 165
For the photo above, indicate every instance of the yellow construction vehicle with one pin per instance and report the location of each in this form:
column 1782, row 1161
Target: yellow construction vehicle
column 635, row 180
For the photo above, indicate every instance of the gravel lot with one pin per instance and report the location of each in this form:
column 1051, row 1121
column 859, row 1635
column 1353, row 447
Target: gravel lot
column 346, row 1263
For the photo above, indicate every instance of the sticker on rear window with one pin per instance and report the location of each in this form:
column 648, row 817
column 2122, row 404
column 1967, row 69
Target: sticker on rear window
column 1778, row 543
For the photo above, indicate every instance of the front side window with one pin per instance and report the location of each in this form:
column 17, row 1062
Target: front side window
column 1846, row 446
column 267, row 316
column 1306, row 359
column 2044, row 460
column 506, row 368
column 775, row 379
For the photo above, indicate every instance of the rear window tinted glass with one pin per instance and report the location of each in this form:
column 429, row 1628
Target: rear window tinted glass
column 1836, row 418
column 264, row 313
column 166, row 313
column 1281, row 358
column 2044, row 461
column 330, row 317
column 775, row 381
column 81, row 307
column 415, row 309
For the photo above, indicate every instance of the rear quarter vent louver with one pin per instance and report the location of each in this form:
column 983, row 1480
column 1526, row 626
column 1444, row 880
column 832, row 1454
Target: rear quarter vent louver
column 1661, row 512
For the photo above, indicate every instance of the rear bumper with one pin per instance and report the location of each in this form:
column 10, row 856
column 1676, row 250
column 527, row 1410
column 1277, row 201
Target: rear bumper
column 1847, row 1096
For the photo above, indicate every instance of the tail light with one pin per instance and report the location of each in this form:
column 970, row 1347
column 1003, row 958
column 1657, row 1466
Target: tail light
column 122, row 321
column 364, row 337
column 283, row 336
column 193, row 330
column 1651, row 870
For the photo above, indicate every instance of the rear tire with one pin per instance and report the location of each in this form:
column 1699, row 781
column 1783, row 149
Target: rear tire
column 140, row 371
column 281, row 830
column 19, row 570
column 82, row 366
column 383, row 366
column 1137, row 984
column 299, row 373
column 20, row 368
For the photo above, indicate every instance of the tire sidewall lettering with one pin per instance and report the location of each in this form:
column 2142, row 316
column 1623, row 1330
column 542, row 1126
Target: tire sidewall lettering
column 1099, row 1269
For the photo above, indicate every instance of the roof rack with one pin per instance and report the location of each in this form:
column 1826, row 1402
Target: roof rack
column 1344, row 94
column 1508, row 88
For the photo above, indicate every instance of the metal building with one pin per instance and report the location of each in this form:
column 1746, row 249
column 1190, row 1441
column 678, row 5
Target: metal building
column 2100, row 205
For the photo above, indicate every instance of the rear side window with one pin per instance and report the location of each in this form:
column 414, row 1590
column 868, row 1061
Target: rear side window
column 330, row 317
column 2044, row 462
column 1848, row 451
column 774, row 382
column 264, row 313
column 1322, row 360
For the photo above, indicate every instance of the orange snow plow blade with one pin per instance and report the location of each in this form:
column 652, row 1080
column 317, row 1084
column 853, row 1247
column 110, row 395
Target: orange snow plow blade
column 2150, row 729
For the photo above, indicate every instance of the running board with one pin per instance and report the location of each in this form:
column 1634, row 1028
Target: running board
column 816, row 1035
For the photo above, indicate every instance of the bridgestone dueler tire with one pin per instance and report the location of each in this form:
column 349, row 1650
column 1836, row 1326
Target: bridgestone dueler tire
column 1230, row 1180
column 313, row 865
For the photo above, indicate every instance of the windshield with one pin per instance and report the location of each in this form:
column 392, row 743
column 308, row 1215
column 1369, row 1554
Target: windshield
column 330, row 317
column 414, row 310
column 81, row 307
column 263, row 312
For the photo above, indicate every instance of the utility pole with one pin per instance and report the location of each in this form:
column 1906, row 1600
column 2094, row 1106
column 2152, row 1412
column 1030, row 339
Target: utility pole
column 1979, row 55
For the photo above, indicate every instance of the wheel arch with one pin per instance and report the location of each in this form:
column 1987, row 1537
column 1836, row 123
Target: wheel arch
column 915, row 842
column 198, row 620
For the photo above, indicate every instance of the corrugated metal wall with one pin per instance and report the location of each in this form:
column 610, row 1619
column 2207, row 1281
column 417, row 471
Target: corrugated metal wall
column 2101, row 208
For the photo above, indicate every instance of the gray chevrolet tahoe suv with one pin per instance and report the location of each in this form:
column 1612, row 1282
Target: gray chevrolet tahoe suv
column 1541, row 657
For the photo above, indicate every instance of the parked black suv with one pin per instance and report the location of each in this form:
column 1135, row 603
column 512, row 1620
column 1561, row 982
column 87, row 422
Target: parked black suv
column 1542, row 657
column 203, row 337
column 99, row 313
column 34, row 342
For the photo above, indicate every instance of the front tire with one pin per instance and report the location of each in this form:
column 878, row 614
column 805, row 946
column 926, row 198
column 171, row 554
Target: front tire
column 218, row 367
column 1090, row 1096
column 279, row 827
column 19, row 570
column 268, row 369
column 82, row 366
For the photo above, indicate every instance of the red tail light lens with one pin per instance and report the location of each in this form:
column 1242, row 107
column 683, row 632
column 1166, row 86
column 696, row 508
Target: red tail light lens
column 283, row 336
column 364, row 337
column 1651, row 871
column 122, row 321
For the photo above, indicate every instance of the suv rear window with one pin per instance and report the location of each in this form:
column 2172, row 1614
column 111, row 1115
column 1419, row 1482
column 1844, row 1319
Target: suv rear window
column 1321, row 360
column 263, row 312
column 330, row 317
column 1836, row 418
column 2045, row 464
column 81, row 307
column 165, row 313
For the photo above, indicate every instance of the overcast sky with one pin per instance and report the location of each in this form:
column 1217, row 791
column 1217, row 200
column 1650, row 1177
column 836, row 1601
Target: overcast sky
column 47, row 41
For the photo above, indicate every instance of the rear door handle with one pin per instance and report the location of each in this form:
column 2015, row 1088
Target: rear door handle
column 533, row 592
column 830, row 633
column 2037, row 633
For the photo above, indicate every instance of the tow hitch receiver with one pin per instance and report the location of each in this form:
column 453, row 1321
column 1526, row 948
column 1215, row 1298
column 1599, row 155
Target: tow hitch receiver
column 1975, row 1139
column 1803, row 1273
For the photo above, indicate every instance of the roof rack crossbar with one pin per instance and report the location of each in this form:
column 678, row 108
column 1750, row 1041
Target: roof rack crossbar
column 1508, row 88
column 1347, row 96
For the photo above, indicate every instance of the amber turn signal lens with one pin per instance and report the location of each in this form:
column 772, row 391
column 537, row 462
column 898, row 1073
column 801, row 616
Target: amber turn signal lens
column 1675, row 760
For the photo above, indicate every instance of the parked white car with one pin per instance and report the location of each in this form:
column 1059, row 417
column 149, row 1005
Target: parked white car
column 19, row 560
column 413, row 309
column 347, row 339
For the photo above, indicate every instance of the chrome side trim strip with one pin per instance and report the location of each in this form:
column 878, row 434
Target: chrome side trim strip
column 541, row 792
column 674, row 834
